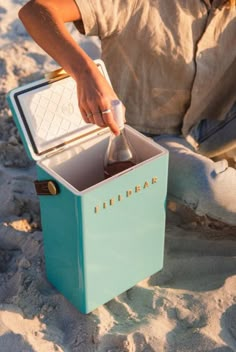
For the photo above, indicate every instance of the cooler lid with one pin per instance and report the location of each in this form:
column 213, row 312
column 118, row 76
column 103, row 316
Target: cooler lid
column 47, row 114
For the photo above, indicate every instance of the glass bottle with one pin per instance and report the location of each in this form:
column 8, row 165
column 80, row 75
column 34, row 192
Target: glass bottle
column 119, row 155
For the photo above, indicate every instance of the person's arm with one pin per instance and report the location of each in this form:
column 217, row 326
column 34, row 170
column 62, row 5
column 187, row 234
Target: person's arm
column 45, row 22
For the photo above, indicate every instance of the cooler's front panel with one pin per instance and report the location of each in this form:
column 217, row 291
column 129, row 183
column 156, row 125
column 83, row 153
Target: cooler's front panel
column 123, row 232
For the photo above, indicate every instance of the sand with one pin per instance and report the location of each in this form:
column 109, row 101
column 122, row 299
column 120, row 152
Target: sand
column 190, row 306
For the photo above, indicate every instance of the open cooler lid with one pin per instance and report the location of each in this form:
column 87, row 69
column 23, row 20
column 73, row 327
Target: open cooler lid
column 47, row 114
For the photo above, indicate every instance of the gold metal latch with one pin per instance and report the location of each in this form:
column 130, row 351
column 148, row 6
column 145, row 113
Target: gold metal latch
column 56, row 75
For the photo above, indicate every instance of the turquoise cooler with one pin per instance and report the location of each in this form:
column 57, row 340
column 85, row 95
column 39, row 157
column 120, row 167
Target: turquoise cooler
column 101, row 237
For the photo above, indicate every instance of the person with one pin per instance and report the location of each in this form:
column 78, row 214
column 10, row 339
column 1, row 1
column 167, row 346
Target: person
column 173, row 65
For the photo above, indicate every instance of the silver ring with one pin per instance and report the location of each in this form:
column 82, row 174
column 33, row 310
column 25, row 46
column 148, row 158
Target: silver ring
column 88, row 115
column 106, row 111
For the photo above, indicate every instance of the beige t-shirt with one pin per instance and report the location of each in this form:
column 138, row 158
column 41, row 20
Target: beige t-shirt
column 172, row 63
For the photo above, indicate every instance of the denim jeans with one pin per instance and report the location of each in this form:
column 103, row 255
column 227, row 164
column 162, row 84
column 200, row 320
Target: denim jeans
column 214, row 138
column 195, row 180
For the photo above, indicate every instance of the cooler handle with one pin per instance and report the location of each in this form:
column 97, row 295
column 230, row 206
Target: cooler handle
column 46, row 188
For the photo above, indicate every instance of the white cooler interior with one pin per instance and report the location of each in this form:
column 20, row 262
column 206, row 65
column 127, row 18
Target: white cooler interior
column 81, row 165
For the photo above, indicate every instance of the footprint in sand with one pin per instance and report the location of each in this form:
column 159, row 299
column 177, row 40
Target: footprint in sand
column 21, row 334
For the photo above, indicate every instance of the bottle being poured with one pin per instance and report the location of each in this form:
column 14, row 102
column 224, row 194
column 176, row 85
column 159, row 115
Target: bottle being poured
column 119, row 155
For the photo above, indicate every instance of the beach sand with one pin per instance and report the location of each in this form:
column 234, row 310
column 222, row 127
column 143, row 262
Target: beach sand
column 190, row 306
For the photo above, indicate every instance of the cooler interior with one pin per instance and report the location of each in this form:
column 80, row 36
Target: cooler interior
column 81, row 165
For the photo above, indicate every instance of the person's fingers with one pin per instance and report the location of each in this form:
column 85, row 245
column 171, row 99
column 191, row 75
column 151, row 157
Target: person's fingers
column 100, row 112
column 85, row 115
column 99, row 119
column 110, row 122
column 107, row 115
column 86, row 112
column 96, row 117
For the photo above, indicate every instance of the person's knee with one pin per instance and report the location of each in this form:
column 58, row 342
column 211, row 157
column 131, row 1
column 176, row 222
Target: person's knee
column 207, row 187
column 210, row 190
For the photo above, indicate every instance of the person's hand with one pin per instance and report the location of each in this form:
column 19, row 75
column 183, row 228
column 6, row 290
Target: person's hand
column 45, row 21
column 94, row 96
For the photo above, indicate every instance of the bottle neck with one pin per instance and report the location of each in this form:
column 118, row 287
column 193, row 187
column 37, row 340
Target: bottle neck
column 118, row 113
column 121, row 134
